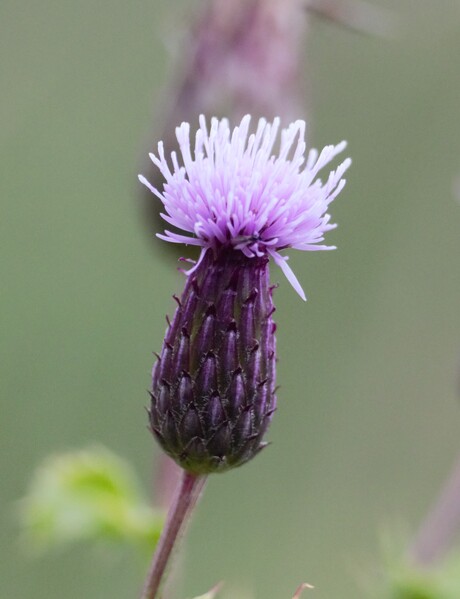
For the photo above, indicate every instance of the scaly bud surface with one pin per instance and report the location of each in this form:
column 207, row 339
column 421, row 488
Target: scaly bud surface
column 213, row 387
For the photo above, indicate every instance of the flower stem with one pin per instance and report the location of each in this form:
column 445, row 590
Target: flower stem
column 187, row 494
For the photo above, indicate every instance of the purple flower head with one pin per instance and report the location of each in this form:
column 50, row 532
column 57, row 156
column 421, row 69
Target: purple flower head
column 233, row 192
column 213, row 386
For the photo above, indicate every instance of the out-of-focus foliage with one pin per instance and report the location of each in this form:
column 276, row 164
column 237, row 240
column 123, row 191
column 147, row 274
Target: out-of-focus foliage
column 407, row 581
column 90, row 495
column 442, row 583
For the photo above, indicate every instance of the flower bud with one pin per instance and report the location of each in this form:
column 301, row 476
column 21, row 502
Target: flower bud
column 213, row 387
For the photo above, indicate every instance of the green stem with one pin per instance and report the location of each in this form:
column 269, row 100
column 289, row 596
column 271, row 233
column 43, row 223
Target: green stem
column 184, row 501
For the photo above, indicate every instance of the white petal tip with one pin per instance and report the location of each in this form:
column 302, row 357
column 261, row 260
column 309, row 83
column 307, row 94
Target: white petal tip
column 149, row 186
column 145, row 182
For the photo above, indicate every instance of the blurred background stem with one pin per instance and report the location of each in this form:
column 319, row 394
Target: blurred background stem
column 441, row 525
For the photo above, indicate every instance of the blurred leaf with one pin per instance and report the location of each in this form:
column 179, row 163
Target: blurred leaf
column 442, row 582
column 408, row 581
column 91, row 495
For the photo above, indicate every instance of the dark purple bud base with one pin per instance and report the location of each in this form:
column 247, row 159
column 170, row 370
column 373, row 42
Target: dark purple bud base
column 213, row 388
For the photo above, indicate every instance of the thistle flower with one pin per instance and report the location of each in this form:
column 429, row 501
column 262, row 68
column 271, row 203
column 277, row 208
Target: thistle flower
column 213, row 386
column 238, row 57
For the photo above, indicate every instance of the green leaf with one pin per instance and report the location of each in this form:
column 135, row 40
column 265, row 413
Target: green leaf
column 90, row 495
column 406, row 580
column 440, row 582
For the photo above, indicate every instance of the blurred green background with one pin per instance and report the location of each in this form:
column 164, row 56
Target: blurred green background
column 368, row 420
